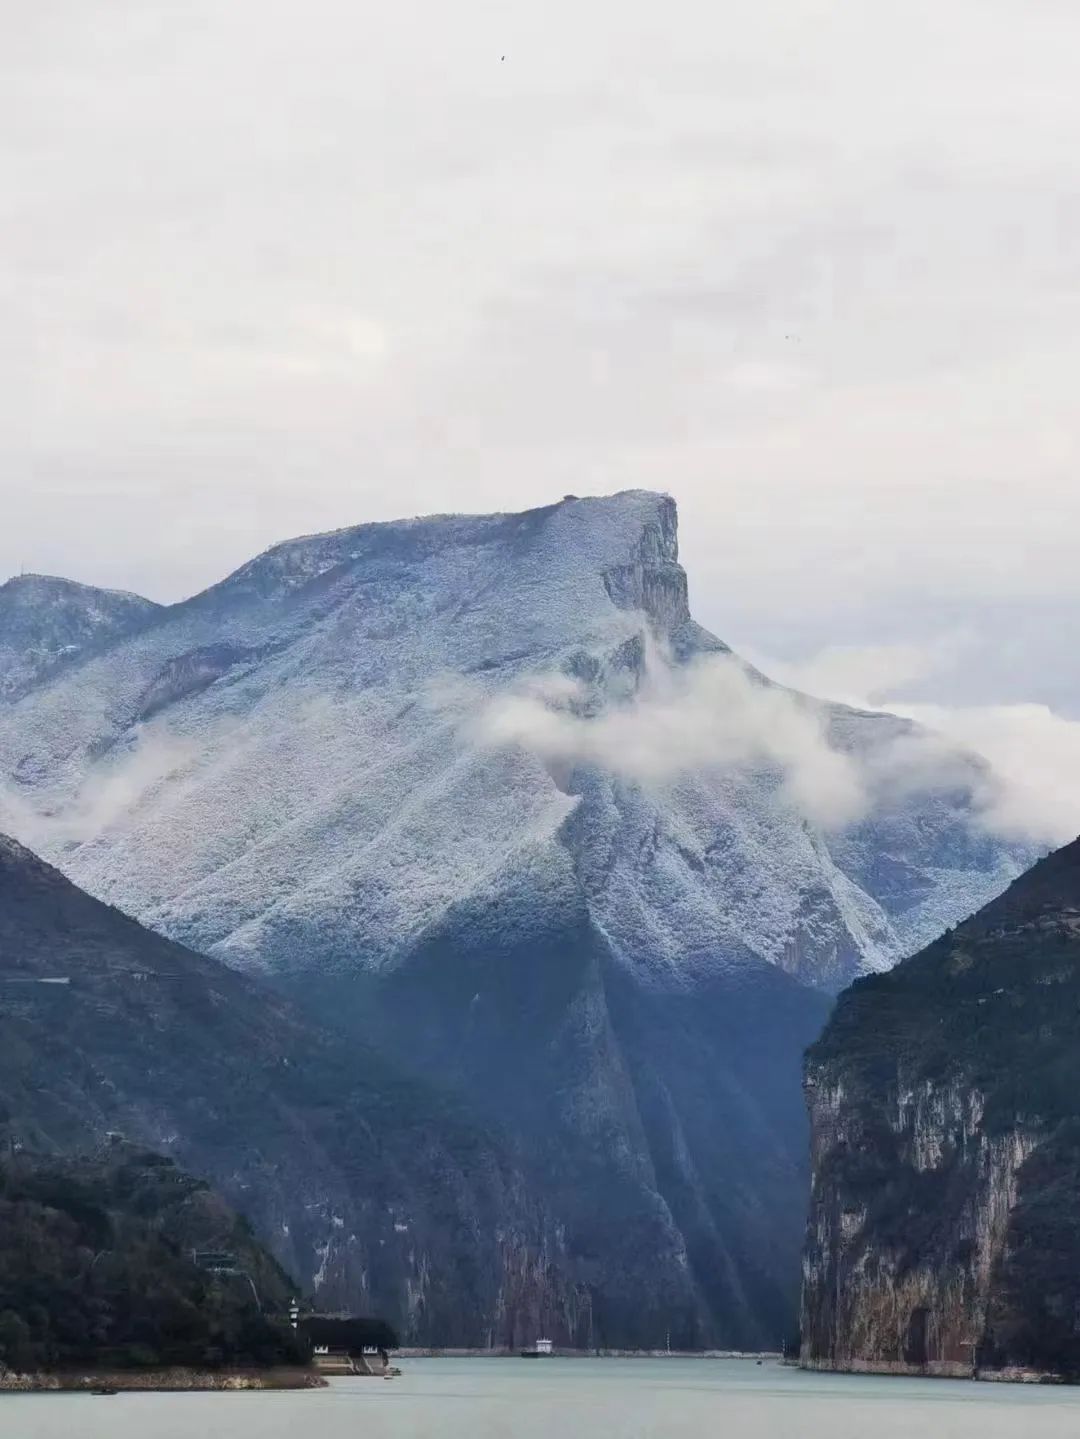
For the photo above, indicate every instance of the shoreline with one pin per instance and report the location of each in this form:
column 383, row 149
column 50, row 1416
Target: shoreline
column 935, row 1369
column 160, row 1381
column 408, row 1352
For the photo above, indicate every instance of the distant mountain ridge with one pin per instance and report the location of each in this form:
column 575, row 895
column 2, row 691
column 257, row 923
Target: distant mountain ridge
column 290, row 772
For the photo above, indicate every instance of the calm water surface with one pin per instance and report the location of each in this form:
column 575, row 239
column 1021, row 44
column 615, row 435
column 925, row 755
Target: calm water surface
column 568, row 1399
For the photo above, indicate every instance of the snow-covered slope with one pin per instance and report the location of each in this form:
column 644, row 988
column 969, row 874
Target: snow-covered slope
column 296, row 750
column 481, row 788
column 46, row 623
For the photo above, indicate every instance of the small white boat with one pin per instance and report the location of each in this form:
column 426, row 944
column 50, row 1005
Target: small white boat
column 540, row 1350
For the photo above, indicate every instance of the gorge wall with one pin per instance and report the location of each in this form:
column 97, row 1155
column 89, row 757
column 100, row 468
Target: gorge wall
column 944, row 1099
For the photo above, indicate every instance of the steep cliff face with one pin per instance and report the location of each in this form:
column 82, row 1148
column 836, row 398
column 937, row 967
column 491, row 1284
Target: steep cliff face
column 944, row 1104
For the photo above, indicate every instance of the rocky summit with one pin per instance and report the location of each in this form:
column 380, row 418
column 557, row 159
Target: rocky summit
column 945, row 1104
column 481, row 793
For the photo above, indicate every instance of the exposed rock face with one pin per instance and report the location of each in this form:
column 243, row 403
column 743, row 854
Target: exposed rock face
column 945, row 1113
column 620, row 968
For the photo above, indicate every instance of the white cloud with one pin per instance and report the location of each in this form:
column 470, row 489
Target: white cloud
column 865, row 676
column 1033, row 753
column 684, row 720
column 714, row 714
column 109, row 792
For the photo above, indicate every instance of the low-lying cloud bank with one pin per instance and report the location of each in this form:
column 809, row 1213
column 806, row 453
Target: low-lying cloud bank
column 1033, row 753
column 717, row 713
column 1018, row 765
column 708, row 715
column 107, row 794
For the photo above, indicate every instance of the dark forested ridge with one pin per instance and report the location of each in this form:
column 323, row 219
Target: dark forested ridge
column 383, row 1194
column 685, row 1229
column 371, row 1189
column 945, row 1103
column 98, row 1268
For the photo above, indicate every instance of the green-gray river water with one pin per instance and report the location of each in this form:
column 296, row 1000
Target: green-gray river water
column 568, row 1399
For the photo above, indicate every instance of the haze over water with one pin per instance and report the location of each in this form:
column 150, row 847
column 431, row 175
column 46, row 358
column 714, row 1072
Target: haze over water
column 573, row 1399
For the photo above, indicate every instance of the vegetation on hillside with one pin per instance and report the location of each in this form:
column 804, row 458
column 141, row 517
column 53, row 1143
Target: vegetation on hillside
column 346, row 1168
column 101, row 1265
column 989, row 1014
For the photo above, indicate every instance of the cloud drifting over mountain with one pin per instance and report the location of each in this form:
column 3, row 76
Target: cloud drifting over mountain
column 716, row 713
column 681, row 720
column 708, row 715
column 1033, row 752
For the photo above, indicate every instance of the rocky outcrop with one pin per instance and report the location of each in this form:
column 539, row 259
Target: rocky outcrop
column 652, row 581
column 944, row 1104
column 908, row 1291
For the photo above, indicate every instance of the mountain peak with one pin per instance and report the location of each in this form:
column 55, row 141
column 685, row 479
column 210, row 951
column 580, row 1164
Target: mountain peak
column 31, row 585
column 47, row 622
column 611, row 541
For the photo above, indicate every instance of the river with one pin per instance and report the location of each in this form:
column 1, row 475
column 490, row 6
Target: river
column 568, row 1399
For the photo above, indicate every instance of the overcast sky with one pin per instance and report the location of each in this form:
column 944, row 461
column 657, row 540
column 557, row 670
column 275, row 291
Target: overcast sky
column 270, row 267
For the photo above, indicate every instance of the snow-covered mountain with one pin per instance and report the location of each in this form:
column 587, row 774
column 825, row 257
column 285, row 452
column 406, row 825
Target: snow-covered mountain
column 305, row 743
column 481, row 788
column 46, row 623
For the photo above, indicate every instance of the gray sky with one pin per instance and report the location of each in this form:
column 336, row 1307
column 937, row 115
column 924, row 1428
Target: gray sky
column 814, row 267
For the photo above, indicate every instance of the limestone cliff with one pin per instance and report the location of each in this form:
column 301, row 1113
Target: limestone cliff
column 944, row 1233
